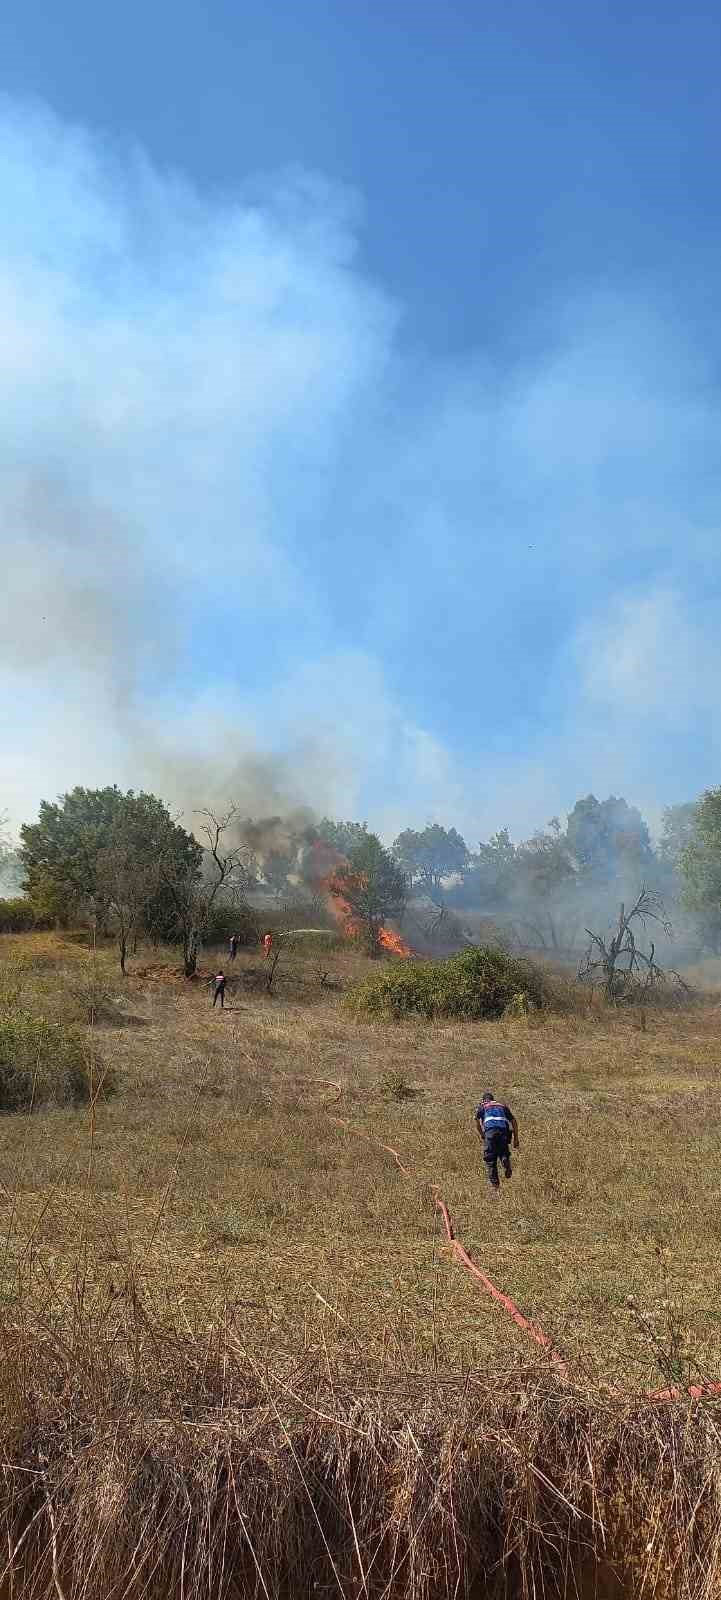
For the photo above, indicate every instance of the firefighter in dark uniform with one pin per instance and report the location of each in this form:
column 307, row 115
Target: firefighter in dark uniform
column 496, row 1126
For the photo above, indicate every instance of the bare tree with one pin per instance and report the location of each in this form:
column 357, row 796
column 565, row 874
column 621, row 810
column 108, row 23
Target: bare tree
column 277, row 950
column 226, row 870
column 626, row 972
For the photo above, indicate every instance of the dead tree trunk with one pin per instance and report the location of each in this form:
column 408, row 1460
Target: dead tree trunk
column 627, row 972
column 191, row 942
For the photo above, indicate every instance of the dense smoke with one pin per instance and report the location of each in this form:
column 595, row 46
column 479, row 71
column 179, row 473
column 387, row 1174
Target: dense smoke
column 238, row 513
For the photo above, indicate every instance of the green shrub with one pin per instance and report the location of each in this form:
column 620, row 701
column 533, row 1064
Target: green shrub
column 41, row 1063
column 227, row 919
column 518, row 1005
column 476, row 984
column 17, row 915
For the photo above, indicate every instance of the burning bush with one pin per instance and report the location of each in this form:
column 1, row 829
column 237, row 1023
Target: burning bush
column 364, row 892
column 478, row 984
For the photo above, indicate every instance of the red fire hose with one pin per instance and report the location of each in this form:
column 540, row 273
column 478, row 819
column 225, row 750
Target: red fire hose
column 505, row 1300
column 695, row 1391
column 463, row 1256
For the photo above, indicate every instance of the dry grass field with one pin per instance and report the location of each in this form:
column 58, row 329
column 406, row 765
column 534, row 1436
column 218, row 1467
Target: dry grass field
column 218, row 1175
column 239, row 1358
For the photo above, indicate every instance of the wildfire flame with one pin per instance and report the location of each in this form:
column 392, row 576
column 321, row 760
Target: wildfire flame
column 353, row 928
column 321, row 872
column 395, row 943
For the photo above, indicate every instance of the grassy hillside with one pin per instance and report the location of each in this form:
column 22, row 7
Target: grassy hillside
column 220, row 1170
column 239, row 1357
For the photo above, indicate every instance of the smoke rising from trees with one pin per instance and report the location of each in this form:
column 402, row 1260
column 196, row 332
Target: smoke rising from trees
column 109, row 857
column 237, row 507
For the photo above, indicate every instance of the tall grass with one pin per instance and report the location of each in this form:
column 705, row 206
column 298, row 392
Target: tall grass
column 140, row 1461
column 238, row 1361
column 41, row 1063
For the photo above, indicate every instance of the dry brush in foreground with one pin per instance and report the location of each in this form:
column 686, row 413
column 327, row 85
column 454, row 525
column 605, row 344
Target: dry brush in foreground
column 136, row 1463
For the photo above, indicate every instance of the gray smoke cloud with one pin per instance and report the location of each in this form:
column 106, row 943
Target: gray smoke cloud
column 171, row 366
column 246, row 535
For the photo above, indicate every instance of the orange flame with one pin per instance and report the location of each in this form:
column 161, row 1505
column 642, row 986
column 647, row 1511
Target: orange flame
column 353, row 928
column 395, row 943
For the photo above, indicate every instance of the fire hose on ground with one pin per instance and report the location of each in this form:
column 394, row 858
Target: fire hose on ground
column 694, row 1391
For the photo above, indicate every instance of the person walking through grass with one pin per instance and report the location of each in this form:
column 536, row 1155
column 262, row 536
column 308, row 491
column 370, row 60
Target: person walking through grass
column 219, row 989
column 496, row 1125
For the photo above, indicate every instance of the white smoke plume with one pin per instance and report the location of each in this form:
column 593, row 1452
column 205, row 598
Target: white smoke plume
column 257, row 548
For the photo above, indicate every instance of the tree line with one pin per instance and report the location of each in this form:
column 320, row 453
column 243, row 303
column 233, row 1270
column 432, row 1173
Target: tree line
column 544, row 888
column 121, row 862
column 123, row 865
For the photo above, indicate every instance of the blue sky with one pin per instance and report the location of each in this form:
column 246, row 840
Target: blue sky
column 360, row 426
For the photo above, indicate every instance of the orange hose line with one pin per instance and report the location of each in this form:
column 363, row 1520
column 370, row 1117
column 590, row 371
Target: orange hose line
column 463, row 1256
column 371, row 1139
column 695, row 1391
column 509, row 1305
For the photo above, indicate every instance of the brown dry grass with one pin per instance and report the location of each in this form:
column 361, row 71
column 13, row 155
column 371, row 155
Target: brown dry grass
column 211, row 1230
column 218, row 1165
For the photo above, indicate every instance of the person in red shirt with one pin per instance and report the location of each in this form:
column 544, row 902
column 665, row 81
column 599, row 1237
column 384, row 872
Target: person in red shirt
column 218, row 983
column 267, row 944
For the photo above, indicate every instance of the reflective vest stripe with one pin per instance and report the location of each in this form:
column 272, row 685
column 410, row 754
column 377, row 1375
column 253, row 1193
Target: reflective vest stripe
column 494, row 1117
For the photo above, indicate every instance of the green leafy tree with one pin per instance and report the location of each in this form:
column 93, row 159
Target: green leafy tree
column 678, row 830
column 496, row 860
column 373, row 888
column 608, row 839
column 128, row 868
column 544, row 889
column 431, row 855
column 128, row 881
column 277, row 865
column 342, row 836
column 488, row 876
column 60, row 851
column 65, row 854
column 665, row 877
column 700, row 865
column 11, row 874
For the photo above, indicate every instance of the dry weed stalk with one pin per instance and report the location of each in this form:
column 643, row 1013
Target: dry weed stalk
column 140, row 1461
